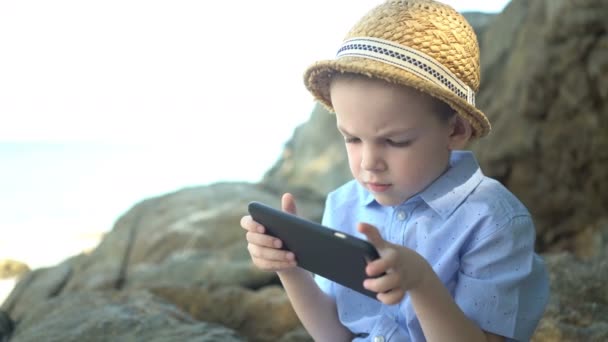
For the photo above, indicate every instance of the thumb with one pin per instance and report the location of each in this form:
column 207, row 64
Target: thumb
column 288, row 203
column 372, row 234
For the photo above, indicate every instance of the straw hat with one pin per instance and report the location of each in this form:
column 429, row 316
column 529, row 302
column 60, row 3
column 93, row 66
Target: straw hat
column 418, row 43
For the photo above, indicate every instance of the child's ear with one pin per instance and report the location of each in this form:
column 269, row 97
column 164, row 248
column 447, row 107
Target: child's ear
column 460, row 132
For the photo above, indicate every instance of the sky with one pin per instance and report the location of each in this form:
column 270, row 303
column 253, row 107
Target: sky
column 164, row 71
column 105, row 103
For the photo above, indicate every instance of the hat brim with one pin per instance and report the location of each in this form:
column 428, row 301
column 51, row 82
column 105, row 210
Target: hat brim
column 317, row 79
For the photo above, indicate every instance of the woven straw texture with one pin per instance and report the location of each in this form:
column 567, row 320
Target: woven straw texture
column 428, row 26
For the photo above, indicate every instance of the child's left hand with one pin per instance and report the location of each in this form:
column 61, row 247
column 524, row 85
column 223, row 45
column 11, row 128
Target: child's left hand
column 405, row 269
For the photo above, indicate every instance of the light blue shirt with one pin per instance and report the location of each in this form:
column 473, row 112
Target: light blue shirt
column 477, row 236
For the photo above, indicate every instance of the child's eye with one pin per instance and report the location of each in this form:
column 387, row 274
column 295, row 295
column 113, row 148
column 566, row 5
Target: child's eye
column 351, row 140
column 394, row 143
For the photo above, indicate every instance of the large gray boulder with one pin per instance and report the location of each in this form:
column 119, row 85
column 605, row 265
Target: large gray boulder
column 185, row 247
column 108, row 316
column 578, row 307
column 545, row 89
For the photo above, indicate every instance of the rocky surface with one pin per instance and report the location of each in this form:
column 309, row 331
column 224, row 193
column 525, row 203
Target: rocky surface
column 187, row 248
column 114, row 316
column 176, row 267
column 545, row 89
column 6, row 326
column 314, row 160
column 578, row 309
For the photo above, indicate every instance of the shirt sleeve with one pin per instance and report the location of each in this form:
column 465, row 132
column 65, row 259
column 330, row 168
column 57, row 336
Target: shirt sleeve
column 502, row 284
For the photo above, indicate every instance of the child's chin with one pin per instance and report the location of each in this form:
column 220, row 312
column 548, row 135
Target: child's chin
column 387, row 200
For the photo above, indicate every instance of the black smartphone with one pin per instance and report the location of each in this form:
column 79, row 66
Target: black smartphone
column 321, row 250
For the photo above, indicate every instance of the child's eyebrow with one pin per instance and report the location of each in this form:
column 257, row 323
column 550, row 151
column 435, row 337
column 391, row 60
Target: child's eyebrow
column 343, row 131
column 387, row 133
column 396, row 131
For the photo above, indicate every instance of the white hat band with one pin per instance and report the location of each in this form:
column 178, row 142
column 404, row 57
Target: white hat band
column 408, row 59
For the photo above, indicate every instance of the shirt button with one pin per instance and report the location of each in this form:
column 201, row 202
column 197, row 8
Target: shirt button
column 379, row 338
column 401, row 215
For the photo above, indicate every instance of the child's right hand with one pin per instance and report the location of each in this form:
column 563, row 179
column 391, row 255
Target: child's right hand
column 265, row 250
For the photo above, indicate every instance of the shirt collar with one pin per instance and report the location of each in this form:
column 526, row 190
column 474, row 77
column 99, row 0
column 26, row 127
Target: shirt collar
column 450, row 189
column 367, row 196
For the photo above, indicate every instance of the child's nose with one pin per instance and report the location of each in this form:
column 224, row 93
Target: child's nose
column 371, row 159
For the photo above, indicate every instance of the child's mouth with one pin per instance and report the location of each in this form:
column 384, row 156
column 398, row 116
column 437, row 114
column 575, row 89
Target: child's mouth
column 378, row 187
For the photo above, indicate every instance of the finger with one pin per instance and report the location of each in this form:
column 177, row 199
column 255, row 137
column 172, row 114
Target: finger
column 260, row 255
column 270, row 254
column 273, row 265
column 391, row 297
column 378, row 267
column 382, row 265
column 372, row 234
column 382, row 284
column 288, row 203
column 263, row 240
column 249, row 224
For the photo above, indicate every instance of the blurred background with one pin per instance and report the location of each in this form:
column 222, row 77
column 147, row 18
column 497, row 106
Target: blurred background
column 103, row 104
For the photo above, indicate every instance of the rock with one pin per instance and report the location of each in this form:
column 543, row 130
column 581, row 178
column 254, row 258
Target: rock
column 189, row 237
column 186, row 239
column 263, row 316
column 298, row 335
column 479, row 21
column 545, row 89
column 6, row 326
column 578, row 307
column 12, row 268
column 35, row 287
column 107, row 316
column 314, row 160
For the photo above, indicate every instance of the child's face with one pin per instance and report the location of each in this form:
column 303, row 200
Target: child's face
column 396, row 143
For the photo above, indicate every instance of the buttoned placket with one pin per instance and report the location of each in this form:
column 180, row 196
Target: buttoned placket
column 401, row 216
column 378, row 338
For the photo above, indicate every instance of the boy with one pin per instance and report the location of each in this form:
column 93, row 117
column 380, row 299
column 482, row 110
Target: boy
column 456, row 248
